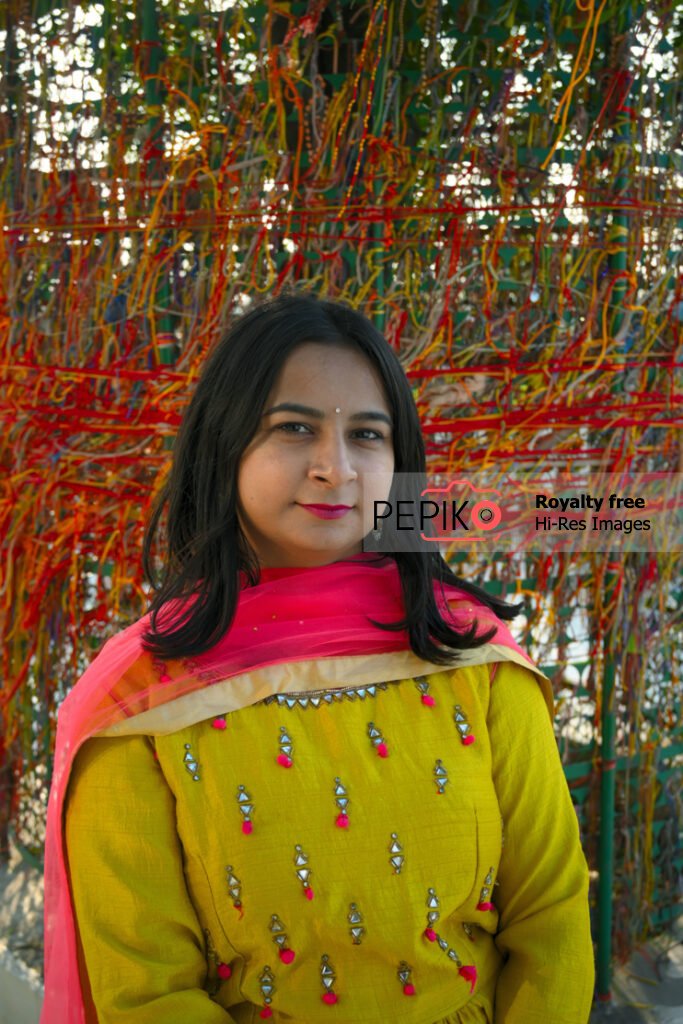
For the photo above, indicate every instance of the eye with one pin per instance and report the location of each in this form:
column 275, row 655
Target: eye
column 369, row 435
column 292, row 428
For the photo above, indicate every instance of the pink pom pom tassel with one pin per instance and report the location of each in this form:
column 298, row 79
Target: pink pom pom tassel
column 247, row 828
column 468, row 740
column 219, row 723
column 342, row 821
column 485, row 906
column 428, row 700
column 330, row 998
column 382, row 750
column 287, row 955
column 285, row 761
column 224, row 971
column 430, row 934
column 469, row 973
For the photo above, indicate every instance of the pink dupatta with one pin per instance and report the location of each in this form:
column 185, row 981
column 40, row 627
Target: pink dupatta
column 312, row 621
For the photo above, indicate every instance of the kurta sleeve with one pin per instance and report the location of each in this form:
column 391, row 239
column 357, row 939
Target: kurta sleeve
column 140, row 937
column 542, row 895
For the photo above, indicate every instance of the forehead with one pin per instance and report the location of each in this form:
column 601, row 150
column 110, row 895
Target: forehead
column 338, row 373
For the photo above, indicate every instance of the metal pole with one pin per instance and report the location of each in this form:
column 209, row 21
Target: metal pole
column 618, row 265
column 153, row 158
column 378, row 230
column 607, row 795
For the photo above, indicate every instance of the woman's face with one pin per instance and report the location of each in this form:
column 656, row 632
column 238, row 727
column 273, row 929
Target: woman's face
column 325, row 439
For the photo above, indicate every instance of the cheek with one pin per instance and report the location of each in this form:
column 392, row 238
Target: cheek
column 377, row 477
column 263, row 476
column 248, row 479
column 383, row 463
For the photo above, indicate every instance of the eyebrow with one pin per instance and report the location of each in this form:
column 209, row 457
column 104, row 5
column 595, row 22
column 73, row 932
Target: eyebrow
column 317, row 414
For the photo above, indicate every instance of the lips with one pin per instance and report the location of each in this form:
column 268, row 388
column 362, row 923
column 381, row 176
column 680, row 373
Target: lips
column 328, row 511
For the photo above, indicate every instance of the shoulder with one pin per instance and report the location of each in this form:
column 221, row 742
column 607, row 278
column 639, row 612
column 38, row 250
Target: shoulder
column 515, row 685
column 103, row 765
column 119, row 670
column 118, row 653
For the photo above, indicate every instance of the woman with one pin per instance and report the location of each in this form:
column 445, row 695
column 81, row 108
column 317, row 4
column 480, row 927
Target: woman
column 313, row 783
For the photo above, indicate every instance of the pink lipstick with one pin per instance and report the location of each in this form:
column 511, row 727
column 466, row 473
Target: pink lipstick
column 328, row 511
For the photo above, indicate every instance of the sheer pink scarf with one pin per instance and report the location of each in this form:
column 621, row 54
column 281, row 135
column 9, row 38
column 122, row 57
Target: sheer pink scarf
column 293, row 615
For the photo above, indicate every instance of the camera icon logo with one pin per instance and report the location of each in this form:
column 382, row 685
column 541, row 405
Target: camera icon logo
column 464, row 513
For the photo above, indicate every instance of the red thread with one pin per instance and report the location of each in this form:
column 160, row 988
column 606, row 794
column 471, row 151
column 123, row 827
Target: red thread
column 469, row 973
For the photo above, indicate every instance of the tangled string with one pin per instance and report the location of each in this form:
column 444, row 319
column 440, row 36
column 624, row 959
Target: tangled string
column 499, row 187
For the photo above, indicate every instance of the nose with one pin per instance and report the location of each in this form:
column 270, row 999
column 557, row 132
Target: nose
column 331, row 460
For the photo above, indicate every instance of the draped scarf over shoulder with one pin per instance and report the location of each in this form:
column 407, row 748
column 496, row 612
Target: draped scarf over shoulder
column 299, row 629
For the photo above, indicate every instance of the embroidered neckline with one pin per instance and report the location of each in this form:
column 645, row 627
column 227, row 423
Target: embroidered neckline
column 317, row 698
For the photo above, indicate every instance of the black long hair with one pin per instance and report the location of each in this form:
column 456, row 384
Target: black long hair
column 205, row 547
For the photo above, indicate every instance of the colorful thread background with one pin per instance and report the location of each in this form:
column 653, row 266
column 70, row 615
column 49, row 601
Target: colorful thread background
column 499, row 187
